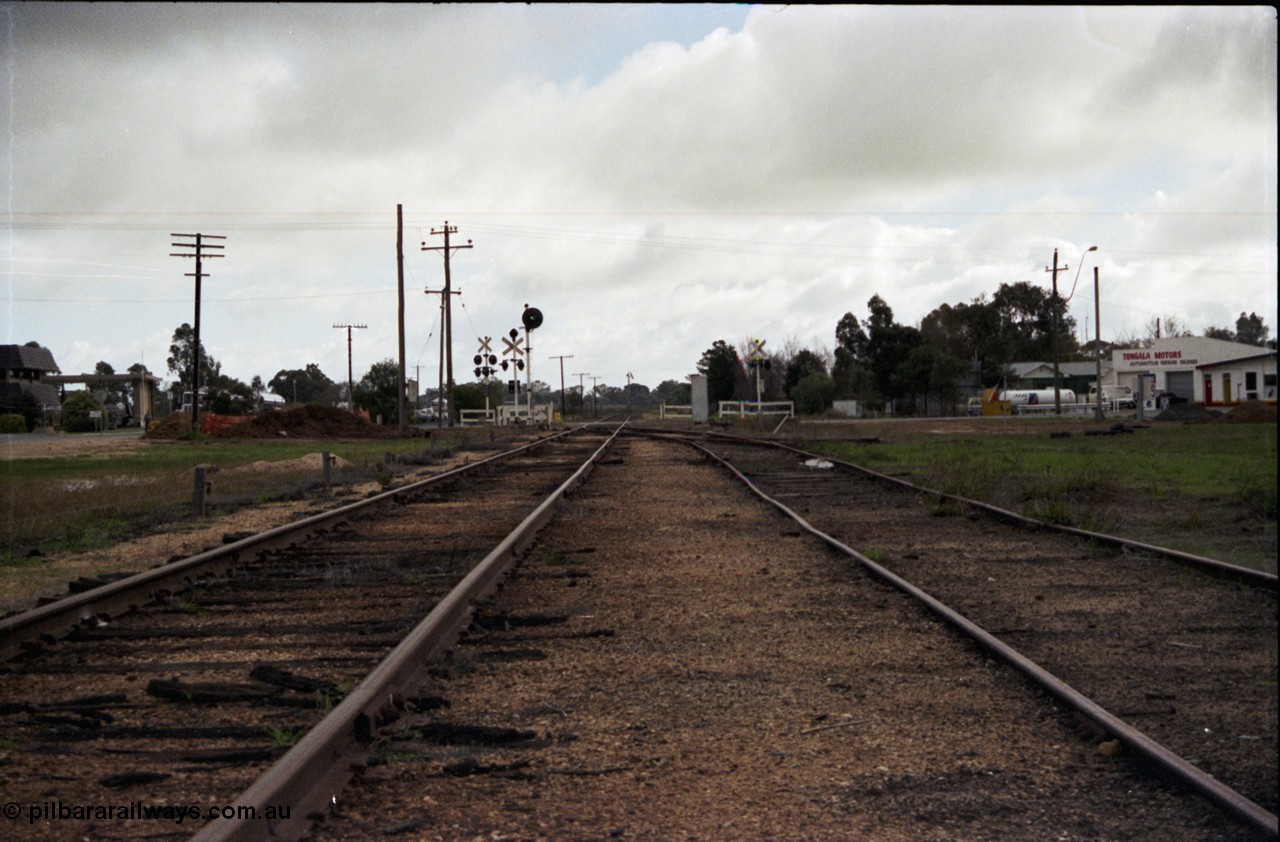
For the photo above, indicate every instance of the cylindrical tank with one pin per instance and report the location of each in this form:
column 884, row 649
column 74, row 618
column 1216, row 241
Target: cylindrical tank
column 1036, row 397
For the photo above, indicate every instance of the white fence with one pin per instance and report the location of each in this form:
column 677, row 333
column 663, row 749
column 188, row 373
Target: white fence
column 476, row 417
column 743, row 409
column 519, row 415
column 675, row 410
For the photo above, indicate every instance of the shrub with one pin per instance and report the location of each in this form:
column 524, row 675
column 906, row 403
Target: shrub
column 13, row 423
column 75, row 413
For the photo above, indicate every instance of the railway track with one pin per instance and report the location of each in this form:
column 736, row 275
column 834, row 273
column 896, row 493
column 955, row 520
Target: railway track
column 1187, row 658
column 1172, row 655
column 188, row 682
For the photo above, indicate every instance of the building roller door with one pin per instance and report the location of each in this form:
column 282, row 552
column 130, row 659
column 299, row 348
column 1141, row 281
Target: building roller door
column 1182, row 384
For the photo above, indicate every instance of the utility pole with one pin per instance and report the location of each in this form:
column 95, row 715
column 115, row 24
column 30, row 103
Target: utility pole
column 562, row 358
column 1053, row 302
column 446, row 336
column 1097, row 342
column 444, row 296
column 595, row 408
column 351, row 397
column 402, row 422
column 196, row 250
column 582, row 390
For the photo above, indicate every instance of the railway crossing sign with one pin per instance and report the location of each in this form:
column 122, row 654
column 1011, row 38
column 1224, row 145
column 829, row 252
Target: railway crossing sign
column 513, row 350
column 485, row 359
column 755, row 352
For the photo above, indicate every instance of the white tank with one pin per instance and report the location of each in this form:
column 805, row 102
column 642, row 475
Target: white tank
column 1036, row 397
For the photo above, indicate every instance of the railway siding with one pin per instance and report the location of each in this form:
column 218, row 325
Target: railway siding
column 706, row 671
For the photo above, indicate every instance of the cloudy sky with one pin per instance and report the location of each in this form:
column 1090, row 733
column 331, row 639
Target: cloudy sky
column 651, row 177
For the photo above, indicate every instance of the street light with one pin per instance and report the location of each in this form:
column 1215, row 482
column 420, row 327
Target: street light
column 1079, row 266
column 1058, row 306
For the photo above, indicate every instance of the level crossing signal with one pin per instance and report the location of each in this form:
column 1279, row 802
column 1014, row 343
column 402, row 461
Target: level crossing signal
column 513, row 350
column 756, row 356
column 485, row 360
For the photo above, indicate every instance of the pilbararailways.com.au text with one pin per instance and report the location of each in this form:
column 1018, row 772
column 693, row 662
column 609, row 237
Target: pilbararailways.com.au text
column 56, row 811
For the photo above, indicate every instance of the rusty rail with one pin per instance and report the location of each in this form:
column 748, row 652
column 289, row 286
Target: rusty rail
column 58, row 619
column 309, row 777
column 1143, row 746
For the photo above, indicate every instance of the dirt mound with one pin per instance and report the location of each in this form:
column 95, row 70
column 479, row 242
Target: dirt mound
column 1187, row 412
column 304, row 422
column 174, row 426
column 307, row 422
column 1251, row 412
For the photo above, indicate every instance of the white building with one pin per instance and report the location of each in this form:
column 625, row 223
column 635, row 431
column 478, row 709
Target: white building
column 1199, row 369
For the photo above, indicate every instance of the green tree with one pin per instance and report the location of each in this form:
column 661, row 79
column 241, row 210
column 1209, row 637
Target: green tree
column 850, row 371
column 1032, row 323
column 803, row 363
column 814, row 394
column 378, row 391
column 720, row 365
column 307, row 385
column 75, row 413
column 181, row 362
column 673, row 392
column 888, row 346
column 1251, row 330
column 970, row 332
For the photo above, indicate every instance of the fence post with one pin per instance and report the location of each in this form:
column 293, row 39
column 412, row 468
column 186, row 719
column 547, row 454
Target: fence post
column 327, row 460
column 197, row 493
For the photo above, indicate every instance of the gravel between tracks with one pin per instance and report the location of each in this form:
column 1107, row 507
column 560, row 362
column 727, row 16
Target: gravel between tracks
column 720, row 676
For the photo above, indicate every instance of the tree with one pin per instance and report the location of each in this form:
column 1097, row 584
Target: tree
column 814, row 394
column 181, row 362
column 803, row 363
column 888, row 346
column 673, row 392
column 75, row 413
column 378, row 391
column 1033, row 325
column 308, row 385
column 1251, row 330
column 720, row 365
column 970, row 332
column 849, row 371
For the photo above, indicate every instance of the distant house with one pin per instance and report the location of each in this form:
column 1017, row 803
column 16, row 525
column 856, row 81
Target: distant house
column 1077, row 376
column 22, row 369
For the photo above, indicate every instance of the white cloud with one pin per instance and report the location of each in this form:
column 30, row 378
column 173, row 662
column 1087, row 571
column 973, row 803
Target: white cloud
column 729, row 173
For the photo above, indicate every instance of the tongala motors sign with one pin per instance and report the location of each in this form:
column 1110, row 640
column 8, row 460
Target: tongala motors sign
column 1156, row 359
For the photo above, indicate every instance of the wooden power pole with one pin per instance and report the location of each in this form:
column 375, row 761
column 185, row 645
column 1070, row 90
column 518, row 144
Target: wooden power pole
column 198, row 251
column 446, row 336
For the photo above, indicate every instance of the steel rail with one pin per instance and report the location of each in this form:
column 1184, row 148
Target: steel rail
column 1211, row 565
column 96, row 606
column 1149, row 750
column 308, row 778
column 1247, row 575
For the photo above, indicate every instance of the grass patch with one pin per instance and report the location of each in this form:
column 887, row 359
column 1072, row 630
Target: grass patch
column 1209, row 489
column 78, row 503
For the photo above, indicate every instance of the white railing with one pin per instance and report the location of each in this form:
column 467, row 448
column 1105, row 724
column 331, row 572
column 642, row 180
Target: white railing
column 675, row 410
column 1048, row 409
column 743, row 409
column 519, row 415
column 476, row 417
